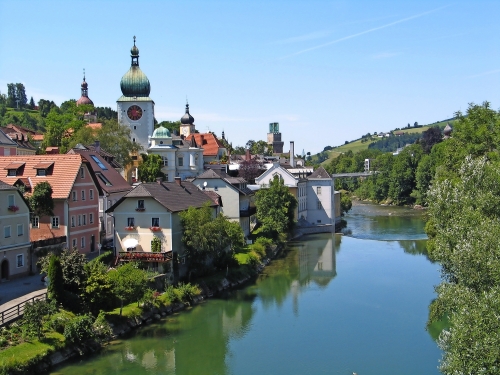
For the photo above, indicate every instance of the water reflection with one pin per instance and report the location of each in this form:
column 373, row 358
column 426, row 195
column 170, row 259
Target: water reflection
column 367, row 309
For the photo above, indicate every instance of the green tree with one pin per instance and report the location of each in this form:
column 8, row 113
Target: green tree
column 129, row 283
column 275, row 208
column 150, row 168
column 98, row 289
column 41, row 201
column 45, row 106
column 21, row 95
column 55, row 289
column 345, row 204
column 403, row 174
column 116, row 140
column 11, row 95
column 463, row 230
column 32, row 104
column 172, row 126
column 207, row 237
column 34, row 315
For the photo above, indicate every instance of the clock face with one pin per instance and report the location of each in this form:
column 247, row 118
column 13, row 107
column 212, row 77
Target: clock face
column 185, row 131
column 134, row 112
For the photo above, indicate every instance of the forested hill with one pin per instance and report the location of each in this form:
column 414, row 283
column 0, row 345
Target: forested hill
column 385, row 141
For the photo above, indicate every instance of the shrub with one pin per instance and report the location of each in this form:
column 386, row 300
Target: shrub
column 259, row 249
column 253, row 258
column 79, row 329
column 101, row 327
column 188, row 291
column 58, row 321
column 173, row 295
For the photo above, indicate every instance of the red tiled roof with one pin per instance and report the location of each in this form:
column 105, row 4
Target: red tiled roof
column 62, row 177
column 207, row 141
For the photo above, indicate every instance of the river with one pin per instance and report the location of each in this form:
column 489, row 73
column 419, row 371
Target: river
column 330, row 304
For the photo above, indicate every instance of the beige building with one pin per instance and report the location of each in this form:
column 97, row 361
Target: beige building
column 15, row 257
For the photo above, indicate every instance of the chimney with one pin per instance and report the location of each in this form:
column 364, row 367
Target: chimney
column 178, row 181
column 247, row 154
column 97, row 145
column 159, row 180
column 292, row 155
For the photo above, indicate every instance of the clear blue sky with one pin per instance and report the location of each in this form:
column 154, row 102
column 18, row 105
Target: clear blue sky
column 327, row 71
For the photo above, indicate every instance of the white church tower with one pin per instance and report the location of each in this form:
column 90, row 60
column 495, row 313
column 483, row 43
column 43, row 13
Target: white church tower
column 135, row 107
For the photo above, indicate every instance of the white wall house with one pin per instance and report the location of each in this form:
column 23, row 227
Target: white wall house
column 320, row 198
column 151, row 210
column 237, row 198
column 296, row 183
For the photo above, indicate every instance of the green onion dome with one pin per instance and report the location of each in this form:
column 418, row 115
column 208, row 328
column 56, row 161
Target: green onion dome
column 135, row 82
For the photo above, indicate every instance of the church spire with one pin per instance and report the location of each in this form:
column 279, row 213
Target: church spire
column 84, row 99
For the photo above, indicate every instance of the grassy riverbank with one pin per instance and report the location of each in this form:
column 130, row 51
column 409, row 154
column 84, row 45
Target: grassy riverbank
column 24, row 355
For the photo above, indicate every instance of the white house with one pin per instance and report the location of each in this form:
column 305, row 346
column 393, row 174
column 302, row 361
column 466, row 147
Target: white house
column 237, row 198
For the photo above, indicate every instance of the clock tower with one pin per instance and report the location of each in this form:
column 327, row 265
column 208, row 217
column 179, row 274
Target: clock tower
column 135, row 107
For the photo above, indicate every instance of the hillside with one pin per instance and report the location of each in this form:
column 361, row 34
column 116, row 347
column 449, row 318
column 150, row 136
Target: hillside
column 363, row 143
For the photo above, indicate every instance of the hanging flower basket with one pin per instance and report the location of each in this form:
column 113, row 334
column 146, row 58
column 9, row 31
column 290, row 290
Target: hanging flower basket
column 13, row 208
column 129, row 228
column 155, row 229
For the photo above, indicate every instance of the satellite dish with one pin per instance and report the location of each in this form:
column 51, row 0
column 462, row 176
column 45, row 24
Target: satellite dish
column 205, row 184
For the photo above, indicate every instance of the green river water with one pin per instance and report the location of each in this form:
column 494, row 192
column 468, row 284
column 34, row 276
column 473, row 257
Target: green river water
column 330, row 304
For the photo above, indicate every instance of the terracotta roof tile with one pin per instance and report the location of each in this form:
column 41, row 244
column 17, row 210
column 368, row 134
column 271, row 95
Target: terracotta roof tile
column 15, row 165
column 207, row 141
column 62, row 177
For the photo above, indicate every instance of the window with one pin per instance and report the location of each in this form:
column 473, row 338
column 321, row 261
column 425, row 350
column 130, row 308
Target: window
column 130, row 222
column 83, row 195
column 155, row 222
column 99, row 163
column 110, row 203
column 318, row 190
column 35, row 222
column 74, row 243
column 20, row 229
column 74, row 195
column 83, row 242
column 12, row 172
column 72, row 221
column 104, row 179
column 91, row 194
column 12, row 201
column 55, row 222
column 82, row 173
column 133, row 140
column 84, row 219
column 180, row 161
column 140, row 204
column 216, row 188
column 6, row 231
column 40, row 172
column 20, row 260
column 79, row 220
column 319, row 205
column 165, row 161
column 91, row 218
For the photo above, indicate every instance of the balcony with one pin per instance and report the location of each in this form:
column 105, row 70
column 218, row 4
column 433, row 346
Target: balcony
column 248, row 212
column 142, row 256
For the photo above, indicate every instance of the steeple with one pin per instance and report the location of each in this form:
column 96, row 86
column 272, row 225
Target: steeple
column 187, row 119
column 135, row 83
column 84, row 99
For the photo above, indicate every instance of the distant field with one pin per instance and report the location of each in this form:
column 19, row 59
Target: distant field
column 356, row 146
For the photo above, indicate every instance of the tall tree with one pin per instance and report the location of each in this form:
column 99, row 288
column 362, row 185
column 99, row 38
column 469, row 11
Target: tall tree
column 21, row 95
column 41, row 201
column 55, row 289
column 150, row 168
column 32, row 103
column 275, row 208
column 430, row 137
column 249, row 170
column 11, row 95
column 463, row 235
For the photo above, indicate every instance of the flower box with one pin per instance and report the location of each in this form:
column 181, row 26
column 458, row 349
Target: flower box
column 129, row 228
column 155, row 229
column 140, row 209
column 13, row 208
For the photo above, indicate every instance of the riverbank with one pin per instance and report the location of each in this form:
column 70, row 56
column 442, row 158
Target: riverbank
column 37, row 357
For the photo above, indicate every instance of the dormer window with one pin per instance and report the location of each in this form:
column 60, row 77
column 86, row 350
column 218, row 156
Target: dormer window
column 15, row 169
column 44, row 168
